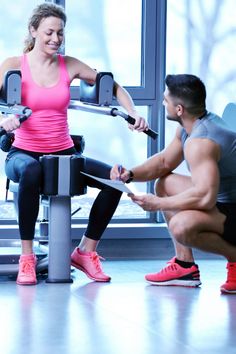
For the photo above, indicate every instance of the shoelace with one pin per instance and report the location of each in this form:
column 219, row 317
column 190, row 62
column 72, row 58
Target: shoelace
column 28, row 268
column 171, row 266
column 95, row 258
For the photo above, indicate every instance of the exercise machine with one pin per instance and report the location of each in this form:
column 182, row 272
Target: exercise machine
column 10, row 103
column 58, row 172
column 97, row 99
column 58, row 187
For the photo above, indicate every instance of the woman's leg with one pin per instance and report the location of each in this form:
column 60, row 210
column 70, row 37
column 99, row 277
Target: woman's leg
column 26, row 170
column 104, row 205
column 84, row 257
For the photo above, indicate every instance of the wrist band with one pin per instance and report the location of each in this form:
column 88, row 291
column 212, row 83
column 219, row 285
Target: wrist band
column 131, row 177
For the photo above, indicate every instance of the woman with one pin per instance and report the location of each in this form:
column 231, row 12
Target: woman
column 46, row 78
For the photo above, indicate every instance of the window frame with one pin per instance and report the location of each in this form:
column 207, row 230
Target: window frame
column 149, row 94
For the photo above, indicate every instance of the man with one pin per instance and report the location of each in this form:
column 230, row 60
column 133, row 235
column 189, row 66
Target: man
column 200, row 209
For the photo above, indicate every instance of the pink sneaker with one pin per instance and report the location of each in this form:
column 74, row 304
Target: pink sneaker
column 26, row 274
column 174, row 274
column 90, row 264
column 229, row 287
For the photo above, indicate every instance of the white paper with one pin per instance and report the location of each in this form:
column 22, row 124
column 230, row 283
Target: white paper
column 119, row 185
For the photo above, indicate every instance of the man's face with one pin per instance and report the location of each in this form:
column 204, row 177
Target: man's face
column 171, row 107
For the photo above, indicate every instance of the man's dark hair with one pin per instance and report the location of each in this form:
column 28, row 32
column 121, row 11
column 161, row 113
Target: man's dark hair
column 189, row 91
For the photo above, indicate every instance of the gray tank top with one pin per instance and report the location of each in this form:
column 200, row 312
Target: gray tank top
column 214, row 128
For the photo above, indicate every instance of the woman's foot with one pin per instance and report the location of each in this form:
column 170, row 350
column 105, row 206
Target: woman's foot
column 27, row 274
column 89, row 263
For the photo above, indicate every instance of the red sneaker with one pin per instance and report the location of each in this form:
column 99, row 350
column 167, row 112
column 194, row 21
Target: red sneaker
column 90, row 264
column 229, row 287
column 174, row 274
column 26, row 274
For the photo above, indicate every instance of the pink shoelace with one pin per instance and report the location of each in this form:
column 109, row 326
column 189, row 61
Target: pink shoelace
column 95, row 258
column 170, row 266
column 28, row 268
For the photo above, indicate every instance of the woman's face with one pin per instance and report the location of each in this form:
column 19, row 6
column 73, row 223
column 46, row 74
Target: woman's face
column 49, row 35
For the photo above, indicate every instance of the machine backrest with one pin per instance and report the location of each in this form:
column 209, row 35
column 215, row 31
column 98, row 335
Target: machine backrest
column 229, row 115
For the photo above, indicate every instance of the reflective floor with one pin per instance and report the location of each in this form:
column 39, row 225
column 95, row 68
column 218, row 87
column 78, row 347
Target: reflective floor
column 127, row 316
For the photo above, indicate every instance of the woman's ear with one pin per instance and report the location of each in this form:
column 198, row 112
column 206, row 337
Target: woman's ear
column 32, row 31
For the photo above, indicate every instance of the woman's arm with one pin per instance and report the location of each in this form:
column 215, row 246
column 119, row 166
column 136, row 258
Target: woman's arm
column 78, row 69
column 11, row 122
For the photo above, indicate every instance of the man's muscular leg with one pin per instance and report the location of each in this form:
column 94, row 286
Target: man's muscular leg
column 170, row 185
column 202, row 230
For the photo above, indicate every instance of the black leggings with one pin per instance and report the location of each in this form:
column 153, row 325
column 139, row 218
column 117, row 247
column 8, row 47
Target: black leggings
column 24, row 167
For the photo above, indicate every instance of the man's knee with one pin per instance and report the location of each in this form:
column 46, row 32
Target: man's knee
column 160, row 186
column 179, row 230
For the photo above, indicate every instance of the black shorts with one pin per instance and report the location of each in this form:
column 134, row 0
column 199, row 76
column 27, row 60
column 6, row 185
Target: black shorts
column 229, row 209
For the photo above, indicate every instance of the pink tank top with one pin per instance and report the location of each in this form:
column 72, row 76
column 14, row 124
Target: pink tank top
column 46, row 130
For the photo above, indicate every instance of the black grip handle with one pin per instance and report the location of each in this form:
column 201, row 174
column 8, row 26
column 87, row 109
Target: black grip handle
column 2, row 131
column 21, row 120
column 149, row 132
column 114, row 112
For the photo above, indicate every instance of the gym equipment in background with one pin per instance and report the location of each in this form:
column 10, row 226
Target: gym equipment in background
column 10, row 100
column 97, row 98
column 58, row 174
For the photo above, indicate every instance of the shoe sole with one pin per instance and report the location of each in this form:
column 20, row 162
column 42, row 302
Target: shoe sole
column 224, row 291
column 18, row 283
column 89, row 275
column 175, row 282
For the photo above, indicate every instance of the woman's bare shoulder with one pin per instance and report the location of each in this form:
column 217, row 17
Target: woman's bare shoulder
column 12, row 63
column 79, row 69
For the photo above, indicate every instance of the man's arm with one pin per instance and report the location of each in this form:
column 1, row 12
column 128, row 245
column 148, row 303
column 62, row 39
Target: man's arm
column 202, row 156
column 156, row 166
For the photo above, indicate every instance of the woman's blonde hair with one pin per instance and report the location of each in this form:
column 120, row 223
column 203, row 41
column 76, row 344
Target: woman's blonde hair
column 40, row 12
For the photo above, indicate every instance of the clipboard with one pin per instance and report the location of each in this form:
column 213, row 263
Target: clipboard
column 119, row 185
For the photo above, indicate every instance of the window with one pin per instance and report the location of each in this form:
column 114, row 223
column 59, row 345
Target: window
column 105, row 35
column 201, row 38
column 124, row 46
column 13, row 31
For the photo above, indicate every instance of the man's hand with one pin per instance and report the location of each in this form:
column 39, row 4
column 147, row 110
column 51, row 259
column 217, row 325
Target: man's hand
column 118, row 172
column 148, row 202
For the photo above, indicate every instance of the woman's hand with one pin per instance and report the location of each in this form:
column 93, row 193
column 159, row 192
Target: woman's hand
column 10, row 123
column 140, row 123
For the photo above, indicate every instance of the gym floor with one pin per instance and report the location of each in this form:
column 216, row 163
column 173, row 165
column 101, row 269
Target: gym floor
column 126, row 316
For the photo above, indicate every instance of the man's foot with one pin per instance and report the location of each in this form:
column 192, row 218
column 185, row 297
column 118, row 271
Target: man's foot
column 26, row 274
column 174, row 274
column 229, row 287
column 89, row 263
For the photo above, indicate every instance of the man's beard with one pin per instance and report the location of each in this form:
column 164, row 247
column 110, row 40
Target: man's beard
column 174, row 119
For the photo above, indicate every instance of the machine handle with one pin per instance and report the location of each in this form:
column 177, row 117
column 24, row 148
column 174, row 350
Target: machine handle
column 131, row 120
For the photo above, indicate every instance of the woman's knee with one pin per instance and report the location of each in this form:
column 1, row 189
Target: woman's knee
column 31, row 173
